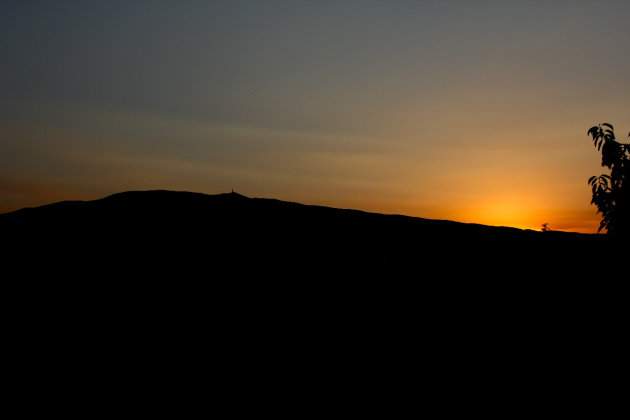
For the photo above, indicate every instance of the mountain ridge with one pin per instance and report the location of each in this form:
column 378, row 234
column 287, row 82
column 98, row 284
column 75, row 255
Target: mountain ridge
column 161, row 231
column 233, row 259
column 137, row 193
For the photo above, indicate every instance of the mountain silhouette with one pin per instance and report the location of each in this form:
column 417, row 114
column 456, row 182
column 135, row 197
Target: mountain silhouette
column 191, row 251
column 169, row 231
column 252, row 287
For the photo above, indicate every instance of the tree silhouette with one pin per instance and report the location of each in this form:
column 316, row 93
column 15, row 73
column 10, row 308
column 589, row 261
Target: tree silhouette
column 611, row 193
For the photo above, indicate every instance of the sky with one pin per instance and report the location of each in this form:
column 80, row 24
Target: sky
column 473, row 111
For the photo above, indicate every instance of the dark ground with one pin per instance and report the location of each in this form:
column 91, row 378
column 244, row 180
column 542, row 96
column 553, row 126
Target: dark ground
column 186, row 241
column 257, row 294
column 166, row 230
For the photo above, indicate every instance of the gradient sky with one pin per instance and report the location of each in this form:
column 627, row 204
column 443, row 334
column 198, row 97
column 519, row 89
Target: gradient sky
column 474, row 111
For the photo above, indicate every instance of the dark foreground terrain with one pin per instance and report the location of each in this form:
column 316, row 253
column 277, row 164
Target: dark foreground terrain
column 170, row 296
column 167, row 242
column 153, row 231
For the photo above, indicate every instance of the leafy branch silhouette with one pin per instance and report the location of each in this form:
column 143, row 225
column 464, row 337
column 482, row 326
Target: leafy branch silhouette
column 611, row 193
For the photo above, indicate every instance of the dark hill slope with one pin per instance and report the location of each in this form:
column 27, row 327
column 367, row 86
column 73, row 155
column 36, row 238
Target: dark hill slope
column 153, row 229
column 138, row 280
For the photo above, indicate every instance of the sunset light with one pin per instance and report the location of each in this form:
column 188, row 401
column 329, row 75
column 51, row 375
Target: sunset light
column 458, row 110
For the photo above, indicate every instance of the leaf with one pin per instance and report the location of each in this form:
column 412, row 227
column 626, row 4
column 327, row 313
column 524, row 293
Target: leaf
column 608, row 125
column 590, row 180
